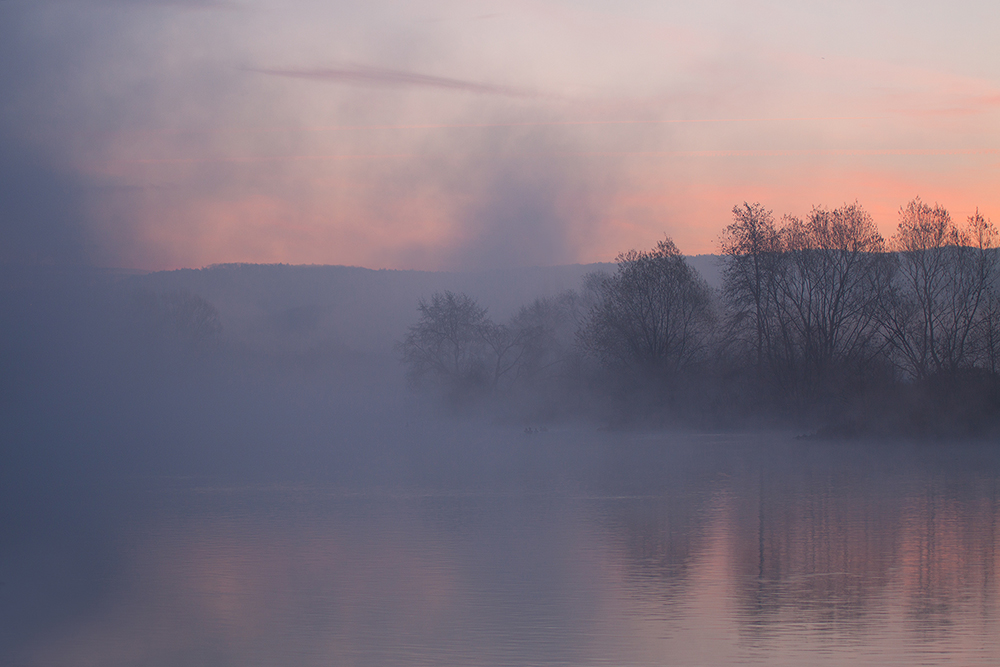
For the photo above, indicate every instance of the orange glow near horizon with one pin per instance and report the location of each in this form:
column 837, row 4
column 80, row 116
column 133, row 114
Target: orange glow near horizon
column 532, row 134
column 386, row 214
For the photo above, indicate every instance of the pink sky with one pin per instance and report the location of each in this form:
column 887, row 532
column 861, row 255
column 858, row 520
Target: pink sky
column 445, row 135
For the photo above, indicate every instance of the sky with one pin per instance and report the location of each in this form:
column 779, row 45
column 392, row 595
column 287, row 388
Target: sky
column 458, row 135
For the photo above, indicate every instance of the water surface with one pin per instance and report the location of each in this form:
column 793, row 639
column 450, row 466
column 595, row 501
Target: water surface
column 556, row 548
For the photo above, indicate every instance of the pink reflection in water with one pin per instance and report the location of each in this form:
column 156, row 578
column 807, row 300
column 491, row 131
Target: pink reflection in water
column 745, row 569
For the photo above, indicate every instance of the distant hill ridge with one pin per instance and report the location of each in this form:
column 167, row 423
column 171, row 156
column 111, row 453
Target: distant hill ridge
column 350, row 307
column 363, row 308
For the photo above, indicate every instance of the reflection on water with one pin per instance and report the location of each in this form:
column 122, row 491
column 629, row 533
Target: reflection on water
column 652, row 551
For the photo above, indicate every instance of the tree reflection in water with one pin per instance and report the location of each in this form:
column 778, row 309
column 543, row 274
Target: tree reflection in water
column 612, row 549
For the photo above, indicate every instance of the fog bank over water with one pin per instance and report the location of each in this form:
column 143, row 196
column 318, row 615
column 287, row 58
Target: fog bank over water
column 168, row 372
column 231, row 466
column 361, row 308
column 350, row 307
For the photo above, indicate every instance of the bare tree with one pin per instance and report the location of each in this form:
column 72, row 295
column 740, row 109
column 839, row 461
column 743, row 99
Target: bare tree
column 933, row 316
column 982, row 307
column 988, row 334
column 446, row 342
column 506, row 348
column 828, row 295
column 752, row 249
column 652, row 314
column 456, row 343
column 549, row 339
column 179, row 320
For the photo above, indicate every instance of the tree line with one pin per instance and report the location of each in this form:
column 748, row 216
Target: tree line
column 819, row 320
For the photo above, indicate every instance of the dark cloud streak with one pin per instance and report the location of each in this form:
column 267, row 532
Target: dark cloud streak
column 381, row 76
column 178, row 4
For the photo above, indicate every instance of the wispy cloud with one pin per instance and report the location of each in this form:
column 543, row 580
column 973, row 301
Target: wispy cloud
column 176, row 4
column 382, row 76
column 164, row 133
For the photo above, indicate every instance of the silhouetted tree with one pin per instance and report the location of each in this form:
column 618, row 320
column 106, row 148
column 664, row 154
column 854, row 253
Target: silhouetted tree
column 988, row 333
column 550, row 325
column 828, row 295
column 446, row 342
column 820, row 317
column 934, row 315
column 506, row 347
column 456, row 343
column 652, row 315
column 752, row 249
column 177, row 320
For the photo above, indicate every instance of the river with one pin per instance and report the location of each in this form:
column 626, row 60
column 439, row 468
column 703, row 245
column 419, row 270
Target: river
column 544, row 548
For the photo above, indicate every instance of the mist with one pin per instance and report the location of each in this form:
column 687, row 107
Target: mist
column 534, row 333
column 279, row 371
column 182, row 134
column 201, row 442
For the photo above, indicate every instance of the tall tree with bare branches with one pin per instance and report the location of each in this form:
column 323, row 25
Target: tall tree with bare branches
column 651, row 315
column 933, row 316
column 829, row 295
column 752, row 252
